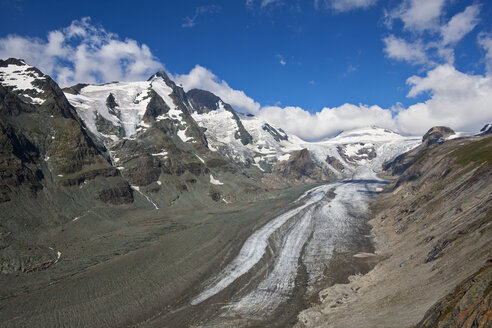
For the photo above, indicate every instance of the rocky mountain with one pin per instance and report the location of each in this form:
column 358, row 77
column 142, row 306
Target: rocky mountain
column 149, row 145
column 204, row 125
column 47, row 159
column 98, row 180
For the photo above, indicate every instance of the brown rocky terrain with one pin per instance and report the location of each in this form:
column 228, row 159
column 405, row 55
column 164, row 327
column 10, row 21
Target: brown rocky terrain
column 432, row 231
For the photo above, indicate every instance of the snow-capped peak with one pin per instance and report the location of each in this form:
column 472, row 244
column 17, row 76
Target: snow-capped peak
column 22, row 78
column 130, row 101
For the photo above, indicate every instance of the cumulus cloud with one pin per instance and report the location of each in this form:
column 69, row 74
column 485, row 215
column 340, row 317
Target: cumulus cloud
column 461, row 101
column 327, row 122
column 458, row 100
column 202, row 78
column 460, row 25
column 83, row 52
column 426, row 41
column 418, row 15
column 400, row 49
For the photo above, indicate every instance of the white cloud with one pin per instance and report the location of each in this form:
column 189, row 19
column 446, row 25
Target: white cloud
column 83, row 52
column 400, row 49
column 485, row 41
column 344, row 5
column 327, row 122
column 460, row 25
column 418, row 15
column 458, row 100
column 202, row 78
column 427, row 41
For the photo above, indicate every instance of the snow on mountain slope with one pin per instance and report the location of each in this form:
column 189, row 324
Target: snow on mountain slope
column 22, row 78
column 345, row 152
column 245, row 139
column 131, row 99
column 369, row 146
column 130, row 102
column 220, row 125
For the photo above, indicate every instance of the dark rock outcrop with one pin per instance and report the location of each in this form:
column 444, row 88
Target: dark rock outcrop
column 436, row 134
column 335, row 163
column 278, row 135
column 487, row 129
column 299, row 168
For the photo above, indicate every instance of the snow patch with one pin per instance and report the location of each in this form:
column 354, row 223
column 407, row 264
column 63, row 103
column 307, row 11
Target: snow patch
column 201, row 159
column 22, row 79
column 162, row 153
column 284, row 157
column 215, row 181
column 182, row 135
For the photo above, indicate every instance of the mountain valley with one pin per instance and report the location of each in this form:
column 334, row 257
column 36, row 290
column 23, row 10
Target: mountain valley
column 142, row 204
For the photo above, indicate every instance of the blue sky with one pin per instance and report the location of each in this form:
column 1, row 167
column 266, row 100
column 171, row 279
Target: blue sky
column 308, row 54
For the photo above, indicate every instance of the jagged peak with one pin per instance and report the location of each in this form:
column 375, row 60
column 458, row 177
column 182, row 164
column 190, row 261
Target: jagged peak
column 160, row 74
column 12, row 61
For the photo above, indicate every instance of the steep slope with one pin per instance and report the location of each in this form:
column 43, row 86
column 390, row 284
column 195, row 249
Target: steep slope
column 50, row 168
column 432, row 231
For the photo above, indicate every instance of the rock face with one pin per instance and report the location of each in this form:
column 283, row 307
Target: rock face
column 46, row 155
column 436, row 134
column 468, row 305
column 432, row 227
column 487, row 129
column 278, row 135
column 299, row 167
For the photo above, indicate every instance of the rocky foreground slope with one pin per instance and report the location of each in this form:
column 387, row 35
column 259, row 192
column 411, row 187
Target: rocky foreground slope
column 433, row 232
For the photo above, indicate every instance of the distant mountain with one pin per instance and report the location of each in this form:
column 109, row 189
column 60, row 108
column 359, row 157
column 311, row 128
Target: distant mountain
column 205, row 125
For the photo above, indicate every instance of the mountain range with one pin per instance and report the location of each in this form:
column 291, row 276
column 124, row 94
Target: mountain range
column 91, row 172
